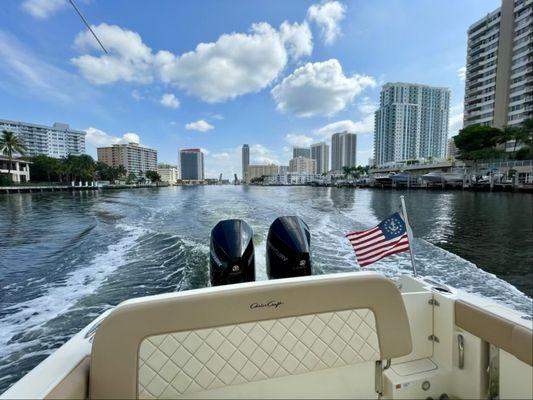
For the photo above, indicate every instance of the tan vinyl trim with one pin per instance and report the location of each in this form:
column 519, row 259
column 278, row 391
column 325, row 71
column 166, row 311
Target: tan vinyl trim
column 75, row 385
column 116, row 343
column 503, row 333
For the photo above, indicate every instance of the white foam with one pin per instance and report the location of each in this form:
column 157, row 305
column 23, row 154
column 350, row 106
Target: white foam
column 58, row 298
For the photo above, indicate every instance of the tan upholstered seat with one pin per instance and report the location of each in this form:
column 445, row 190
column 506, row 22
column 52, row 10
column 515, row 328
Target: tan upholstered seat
column 144, row 347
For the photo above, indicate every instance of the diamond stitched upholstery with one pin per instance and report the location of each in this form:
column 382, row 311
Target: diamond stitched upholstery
column 173, row 365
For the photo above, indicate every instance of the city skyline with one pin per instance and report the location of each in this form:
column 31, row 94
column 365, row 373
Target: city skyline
column 168, row 111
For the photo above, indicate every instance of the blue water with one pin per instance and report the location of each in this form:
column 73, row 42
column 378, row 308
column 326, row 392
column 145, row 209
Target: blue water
column 66, row 257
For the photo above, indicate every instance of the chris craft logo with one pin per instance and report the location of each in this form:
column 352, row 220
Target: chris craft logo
column 269, row 304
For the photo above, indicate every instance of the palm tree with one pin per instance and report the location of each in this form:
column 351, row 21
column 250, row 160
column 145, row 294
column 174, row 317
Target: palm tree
column 9, row 144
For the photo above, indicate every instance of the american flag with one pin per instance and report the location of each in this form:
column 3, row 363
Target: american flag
column 389, row 237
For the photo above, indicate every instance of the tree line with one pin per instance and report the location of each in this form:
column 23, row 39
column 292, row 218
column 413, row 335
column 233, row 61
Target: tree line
column 70, row 168
column 480, row 142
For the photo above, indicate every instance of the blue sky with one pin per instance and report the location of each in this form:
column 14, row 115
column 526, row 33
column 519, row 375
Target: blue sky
column 216, row 74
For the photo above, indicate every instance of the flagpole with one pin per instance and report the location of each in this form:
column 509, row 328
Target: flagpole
column 409, row 235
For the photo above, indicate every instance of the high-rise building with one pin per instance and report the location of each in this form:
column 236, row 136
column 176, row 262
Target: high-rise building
column 168, row 173
column 245, row 160
column 452, row 149
column 135, row 158
column 259, row 170
column 301, row 152
column 58, row 140
column 302, row 165
column 320, row 153
column 191, row 162
column 499, row 66
column 411, row 123
column 343, row 150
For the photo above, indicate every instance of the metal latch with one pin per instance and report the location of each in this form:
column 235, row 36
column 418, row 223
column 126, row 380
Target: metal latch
column 433, row 302
column 433, row 338
column 461, row 347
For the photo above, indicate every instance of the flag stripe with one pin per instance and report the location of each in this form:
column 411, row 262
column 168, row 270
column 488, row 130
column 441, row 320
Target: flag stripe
column 372, row 236
column 392, row 251
column 381, row 246
column 364, row 233
column 370, row 243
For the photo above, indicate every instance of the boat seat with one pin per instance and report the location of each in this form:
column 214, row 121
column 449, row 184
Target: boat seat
column 188, row 343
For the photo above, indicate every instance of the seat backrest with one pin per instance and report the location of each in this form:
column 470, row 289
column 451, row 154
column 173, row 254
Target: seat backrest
column 181, row 343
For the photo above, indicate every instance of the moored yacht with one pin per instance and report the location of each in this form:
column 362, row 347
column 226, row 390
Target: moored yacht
column 349, row 335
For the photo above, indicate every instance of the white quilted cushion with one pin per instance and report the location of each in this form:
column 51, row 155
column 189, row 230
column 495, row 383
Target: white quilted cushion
column 173, row 365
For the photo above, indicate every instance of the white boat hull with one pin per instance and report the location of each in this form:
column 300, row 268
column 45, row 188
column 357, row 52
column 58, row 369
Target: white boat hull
column 291, row 338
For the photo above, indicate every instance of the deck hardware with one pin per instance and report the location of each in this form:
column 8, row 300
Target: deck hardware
column 433, row 338
column 426, row 385
column 378, row 378
column 433, row 302
column 461, row 346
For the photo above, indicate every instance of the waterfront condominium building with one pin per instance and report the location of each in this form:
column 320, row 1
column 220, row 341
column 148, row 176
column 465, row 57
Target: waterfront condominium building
column 259, row 170
column 245, row 160
column 135, row 158
column 301, row 152
column 58, row 140
column 499, row 66
column 302, row 165
column 343, row 150
column 411, row 123
column 320, row 153
column 168, row 173
column 191, row 164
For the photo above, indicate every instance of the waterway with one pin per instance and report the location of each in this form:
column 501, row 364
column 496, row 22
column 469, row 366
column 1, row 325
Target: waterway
column 66, row 257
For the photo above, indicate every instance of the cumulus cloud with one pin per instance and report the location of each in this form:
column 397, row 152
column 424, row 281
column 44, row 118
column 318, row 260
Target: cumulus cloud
column 43, row 8
column 260, row 154
column 235, row 64
column 169, row 100
column 362, row 126
column 327, row 16
column 319, row 88
column 461, row 73
column 299, row 140
column 200, row 126
column 129, row 59
column 456, row 119
column 297, row 39
column 99, row 138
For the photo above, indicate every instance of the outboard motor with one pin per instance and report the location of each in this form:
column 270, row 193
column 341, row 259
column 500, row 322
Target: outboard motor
column 288, row 246
column 231, row 253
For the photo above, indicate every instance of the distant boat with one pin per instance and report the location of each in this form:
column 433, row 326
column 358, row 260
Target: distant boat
column 383, row 179
column 403, row 177
column 435, row 177
column 446, row 177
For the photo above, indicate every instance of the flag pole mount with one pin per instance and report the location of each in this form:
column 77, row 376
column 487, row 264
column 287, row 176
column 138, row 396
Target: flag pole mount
column 409, row 235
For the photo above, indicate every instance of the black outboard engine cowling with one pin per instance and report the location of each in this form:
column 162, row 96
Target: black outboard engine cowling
column 231, row 253
column 288, row 248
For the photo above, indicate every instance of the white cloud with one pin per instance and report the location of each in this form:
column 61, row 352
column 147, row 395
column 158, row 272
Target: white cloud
column 43, row 8
column 461, row 73
column 129, row 59
column 221, row 156
column 456, row 119
column 200, row 126
column 298, row 140
column 363, row 126
column 260, row 154
column 99, row 138
column 136, row 94
column 234, row 64
column 319, row 88
column 297, row 39
column 327, row 16
column 169, row 100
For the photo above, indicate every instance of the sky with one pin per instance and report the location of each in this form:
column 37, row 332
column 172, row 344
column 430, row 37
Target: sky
column 216, row 74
